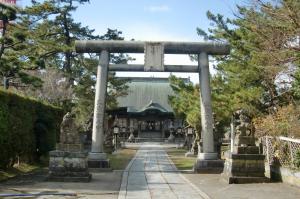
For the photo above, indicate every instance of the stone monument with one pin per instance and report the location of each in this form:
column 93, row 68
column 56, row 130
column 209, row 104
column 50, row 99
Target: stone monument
column 68, row 163
column 244, row 163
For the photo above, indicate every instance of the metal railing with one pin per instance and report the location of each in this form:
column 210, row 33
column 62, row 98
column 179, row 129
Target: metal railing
column 281, row 150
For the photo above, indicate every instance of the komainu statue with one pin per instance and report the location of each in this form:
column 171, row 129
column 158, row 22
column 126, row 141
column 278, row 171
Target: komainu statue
column 244, row 163
column 244, row 129
column 69, row 135
column 68, row 130
column 68, row 163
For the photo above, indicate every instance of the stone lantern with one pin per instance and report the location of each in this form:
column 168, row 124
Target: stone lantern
column 116, row 131
column 171, row 138
column 189, row 140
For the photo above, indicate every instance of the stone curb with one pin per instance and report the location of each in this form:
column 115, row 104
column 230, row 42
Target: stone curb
column 123, row 187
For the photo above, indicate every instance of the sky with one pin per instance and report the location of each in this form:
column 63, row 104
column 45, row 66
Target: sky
column 153, row 20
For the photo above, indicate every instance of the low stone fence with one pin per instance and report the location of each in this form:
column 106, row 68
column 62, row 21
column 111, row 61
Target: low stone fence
column 280, row 155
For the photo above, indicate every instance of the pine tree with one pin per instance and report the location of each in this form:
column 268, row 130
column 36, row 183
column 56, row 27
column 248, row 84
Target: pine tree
column 84, row 90
column 264, row 57
column 263, row 50
column 54, row 32
column 185, row 101
column 14, row 59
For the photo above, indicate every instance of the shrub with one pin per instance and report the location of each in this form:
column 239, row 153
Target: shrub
column 28, row 128
column 284, row 122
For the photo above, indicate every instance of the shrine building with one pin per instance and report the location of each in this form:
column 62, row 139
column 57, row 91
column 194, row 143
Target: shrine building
column 146, row 108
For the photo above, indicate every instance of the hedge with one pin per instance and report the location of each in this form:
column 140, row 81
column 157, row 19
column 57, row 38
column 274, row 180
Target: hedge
column 28, row 128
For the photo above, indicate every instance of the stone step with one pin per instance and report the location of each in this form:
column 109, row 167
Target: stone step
column 69, row 178
column 150, row 139
column 150, row 135
column 246, row 180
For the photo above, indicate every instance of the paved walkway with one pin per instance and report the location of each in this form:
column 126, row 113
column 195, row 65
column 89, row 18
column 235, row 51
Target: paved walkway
column 151, row 174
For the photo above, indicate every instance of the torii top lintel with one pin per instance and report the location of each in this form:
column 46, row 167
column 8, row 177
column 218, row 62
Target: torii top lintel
column 113, row 46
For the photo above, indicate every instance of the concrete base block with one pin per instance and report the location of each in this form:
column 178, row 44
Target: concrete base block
column 98, row 161
column 98, row 164
column 208, row 166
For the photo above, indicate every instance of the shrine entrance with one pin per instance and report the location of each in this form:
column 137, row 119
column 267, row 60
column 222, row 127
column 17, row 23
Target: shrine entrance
column 154, row 62
column 152, row 126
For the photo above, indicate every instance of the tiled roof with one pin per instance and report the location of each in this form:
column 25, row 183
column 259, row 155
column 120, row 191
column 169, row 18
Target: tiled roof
column 147, row 93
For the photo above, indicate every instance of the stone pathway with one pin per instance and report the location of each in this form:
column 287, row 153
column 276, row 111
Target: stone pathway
column 151, row 174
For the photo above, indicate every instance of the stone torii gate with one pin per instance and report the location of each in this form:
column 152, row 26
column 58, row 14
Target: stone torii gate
column 154, row 62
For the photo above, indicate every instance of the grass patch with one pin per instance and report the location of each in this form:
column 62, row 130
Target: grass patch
column 179, row 159
column 23, row 168
column 120, row 160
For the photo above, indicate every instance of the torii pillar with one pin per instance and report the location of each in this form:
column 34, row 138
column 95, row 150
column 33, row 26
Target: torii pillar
column 207, row 161
column 97, row 158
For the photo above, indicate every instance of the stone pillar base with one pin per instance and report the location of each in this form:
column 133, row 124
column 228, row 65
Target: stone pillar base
column 68, row 167
column 209, row 166
column 98, row 162
column 208, row 156
column 244, row 168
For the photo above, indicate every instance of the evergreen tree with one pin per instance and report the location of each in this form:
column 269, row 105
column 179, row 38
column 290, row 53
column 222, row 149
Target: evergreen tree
column 14, row 57
column 84, row 90
column 54, row 32
column 185, row 101
column 50, row 35
column 264, row 50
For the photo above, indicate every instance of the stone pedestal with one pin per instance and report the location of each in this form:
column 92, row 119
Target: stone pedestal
column 244, row 165
column 68, row 166
column 208, row 163
column 98, row 161
column 68, row 163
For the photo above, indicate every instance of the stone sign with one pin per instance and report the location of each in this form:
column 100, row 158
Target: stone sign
column 154, row 56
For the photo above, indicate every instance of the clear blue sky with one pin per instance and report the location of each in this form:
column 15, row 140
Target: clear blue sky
column 152, row 20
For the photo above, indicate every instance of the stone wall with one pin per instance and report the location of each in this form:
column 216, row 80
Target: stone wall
column 283, row 174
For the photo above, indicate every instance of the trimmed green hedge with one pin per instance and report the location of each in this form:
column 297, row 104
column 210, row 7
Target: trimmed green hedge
column 28, row 128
